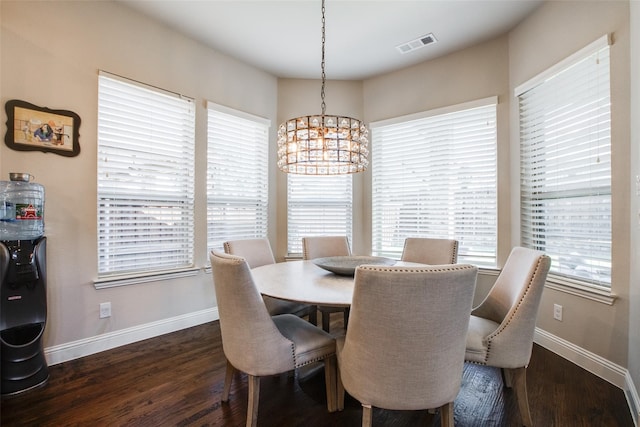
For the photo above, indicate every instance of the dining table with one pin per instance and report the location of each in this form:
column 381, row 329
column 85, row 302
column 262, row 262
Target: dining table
column 304, row 281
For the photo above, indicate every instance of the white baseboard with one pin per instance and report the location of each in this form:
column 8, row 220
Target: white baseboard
column 591, row 362
column 84, row 347
column 633, row 400
column 609, row 371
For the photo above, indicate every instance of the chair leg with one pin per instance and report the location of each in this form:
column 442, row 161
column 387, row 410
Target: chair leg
column 326, row 319
column 346, row 317
column 227, row 382
column 519, row 378
column 339, row 390
column 507, row 379
column 313, row 316
column 254, row 396
column 330, row 366
column 367, row 416
column 446, row 415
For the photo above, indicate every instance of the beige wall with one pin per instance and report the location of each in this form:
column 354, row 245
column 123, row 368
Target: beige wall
column 634, row 277
column 56, row 65
column 478, row 72
column 553, row 32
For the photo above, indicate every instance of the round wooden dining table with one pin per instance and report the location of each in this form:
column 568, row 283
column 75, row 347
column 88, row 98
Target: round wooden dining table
column 304, row 281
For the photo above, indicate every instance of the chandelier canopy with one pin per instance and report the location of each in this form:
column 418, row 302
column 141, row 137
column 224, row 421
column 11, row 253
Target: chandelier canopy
column 323, row 144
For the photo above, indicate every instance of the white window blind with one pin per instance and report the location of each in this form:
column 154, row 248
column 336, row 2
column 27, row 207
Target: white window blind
column 237, row 176
column 318, row 206
column 145, row 179
column 565, row 150
column 434, row 175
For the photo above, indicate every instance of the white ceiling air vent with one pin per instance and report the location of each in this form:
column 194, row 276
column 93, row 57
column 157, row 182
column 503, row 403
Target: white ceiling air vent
column 417, row 43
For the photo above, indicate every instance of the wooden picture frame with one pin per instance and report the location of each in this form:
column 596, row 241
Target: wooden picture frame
column 34, row 128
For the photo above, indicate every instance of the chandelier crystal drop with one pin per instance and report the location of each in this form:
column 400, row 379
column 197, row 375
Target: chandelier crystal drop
column 323, row 144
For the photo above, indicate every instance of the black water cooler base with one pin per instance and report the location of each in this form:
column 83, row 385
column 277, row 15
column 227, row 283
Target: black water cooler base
column 24, row 366
column 23, row 315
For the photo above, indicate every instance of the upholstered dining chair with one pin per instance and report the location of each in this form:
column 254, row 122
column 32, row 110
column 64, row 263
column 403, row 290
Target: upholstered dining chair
column 259, row 344
column 258, row 252
column 404, row 349
column 430, row 251
column 502, row 326
column 325, row 246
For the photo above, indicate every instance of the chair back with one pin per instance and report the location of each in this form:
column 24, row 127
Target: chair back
column 251, row 341
column 430, row 251
column 257, row 252
column 405, row 345
column 324, row 246
column 513, row 302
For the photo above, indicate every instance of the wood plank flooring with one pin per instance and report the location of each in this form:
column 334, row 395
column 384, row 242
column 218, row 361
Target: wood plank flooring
column 176, row 380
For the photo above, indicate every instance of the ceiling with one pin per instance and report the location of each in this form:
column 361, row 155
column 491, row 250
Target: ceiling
column 284, row 37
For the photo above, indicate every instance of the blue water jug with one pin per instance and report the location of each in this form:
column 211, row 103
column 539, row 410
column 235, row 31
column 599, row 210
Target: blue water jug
column 21, row 208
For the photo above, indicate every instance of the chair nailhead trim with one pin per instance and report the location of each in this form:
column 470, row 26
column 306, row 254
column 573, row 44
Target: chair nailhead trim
column 504, row 324
column 450, row 267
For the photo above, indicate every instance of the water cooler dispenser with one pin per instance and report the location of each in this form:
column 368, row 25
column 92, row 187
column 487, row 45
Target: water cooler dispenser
column 23, row 279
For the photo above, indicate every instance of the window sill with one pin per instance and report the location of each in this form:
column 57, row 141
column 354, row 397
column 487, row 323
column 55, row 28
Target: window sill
column 115, row 281
column 575, row 288
column 488, row 271
column 569, row 287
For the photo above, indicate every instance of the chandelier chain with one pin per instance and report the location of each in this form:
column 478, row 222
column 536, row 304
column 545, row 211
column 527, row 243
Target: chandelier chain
column 323, row 105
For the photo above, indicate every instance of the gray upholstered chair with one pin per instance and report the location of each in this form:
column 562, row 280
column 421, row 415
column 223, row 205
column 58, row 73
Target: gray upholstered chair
column 430, row 251
column 404, row 349
column 258, row 252
column 325, row 246
column 259, row 344
column 502, row 326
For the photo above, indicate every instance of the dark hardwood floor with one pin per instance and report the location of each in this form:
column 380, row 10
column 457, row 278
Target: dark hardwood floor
column 176, row 380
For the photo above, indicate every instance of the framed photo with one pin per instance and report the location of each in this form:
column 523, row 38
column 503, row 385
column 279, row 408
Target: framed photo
column 30, row 128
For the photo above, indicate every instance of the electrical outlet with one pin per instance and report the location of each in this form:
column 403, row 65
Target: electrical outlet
column 105, row 309
column 557, row 312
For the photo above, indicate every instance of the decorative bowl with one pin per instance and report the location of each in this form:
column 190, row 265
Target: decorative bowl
column 346, row 265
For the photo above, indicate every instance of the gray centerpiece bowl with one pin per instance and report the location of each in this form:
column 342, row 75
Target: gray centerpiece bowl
column 346, row 265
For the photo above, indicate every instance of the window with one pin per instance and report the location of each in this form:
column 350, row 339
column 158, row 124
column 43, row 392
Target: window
column 237, row 179
column 434, row 175
column 317, row 206
column 565, row 152
column 145, row 179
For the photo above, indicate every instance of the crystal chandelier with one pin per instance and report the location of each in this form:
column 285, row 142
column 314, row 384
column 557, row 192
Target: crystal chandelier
column 323, row 144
